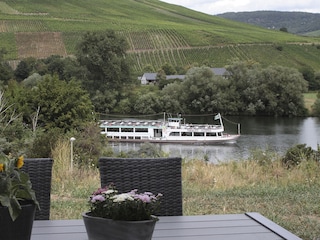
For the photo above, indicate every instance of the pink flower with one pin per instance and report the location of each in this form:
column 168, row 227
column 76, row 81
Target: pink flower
column 143, row 197
column 98, row 198
column 100, row 190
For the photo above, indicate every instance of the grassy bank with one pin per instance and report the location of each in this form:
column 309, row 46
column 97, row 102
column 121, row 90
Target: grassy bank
column 309, row 99
column 291, row 198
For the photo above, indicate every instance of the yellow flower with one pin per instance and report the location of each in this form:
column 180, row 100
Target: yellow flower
column 1, row 167
column 20, row 162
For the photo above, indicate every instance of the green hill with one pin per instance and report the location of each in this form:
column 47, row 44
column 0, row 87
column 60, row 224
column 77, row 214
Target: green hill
column 301, row 23
column 157, row 33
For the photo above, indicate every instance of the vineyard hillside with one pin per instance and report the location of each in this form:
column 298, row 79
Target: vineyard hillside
column 157, row 33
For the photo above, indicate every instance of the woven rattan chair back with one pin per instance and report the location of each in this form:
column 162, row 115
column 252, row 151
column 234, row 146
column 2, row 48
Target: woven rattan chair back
column 156, row 175
column 40, row 172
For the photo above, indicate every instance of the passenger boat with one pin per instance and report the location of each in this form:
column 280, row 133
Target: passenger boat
column 168, row 130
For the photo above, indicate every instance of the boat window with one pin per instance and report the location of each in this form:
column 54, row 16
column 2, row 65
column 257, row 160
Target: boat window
column 126, row 129
column 198, row 134
column 141, row 129
column 211, row 134
column 174, row 134
column 112, row 129
column 187, row 134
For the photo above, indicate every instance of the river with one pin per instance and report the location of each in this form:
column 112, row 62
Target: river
column 276, row 134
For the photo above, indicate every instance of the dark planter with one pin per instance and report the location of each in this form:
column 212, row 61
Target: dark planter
column 108, row 229
column 21, row 228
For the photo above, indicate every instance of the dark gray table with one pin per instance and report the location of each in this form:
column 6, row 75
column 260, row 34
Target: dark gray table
column 204, row 227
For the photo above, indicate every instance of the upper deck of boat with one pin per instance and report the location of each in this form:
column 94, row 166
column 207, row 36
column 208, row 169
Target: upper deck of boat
column 132, row 123
column 154, row 124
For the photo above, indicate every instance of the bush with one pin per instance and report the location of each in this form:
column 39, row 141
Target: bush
column 295, row 155
column 89, row 145
column 43, row 143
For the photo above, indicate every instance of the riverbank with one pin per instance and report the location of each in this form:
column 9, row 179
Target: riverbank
column 260, row 183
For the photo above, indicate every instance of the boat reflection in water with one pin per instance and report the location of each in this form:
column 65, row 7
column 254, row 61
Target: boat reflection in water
column 211, row 153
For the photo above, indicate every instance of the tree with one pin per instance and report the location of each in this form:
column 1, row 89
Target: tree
column 148, row 103
column 26, row 67
column 169, row 98
column 275, row 90
column 309, row 75
column 55, row 65
column 244, row 81
column 283, row 91
column 6, row 72
column 32, row 80
column 317, row 81
column 63, row 105
column 148, row 68
column 103, row 55
column 198, row 91
column 22, row 71
column 11, row 127
column 283, row 29
column 168, row 69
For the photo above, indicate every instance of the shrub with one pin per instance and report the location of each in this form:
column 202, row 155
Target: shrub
column 295, row 155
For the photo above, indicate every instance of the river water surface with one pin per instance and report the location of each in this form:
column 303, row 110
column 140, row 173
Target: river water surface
column 277, row 134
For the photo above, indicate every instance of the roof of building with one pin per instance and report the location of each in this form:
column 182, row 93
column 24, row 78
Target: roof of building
column 153, row 76
column 175, row 77
column 150, row 76
column 220, row 71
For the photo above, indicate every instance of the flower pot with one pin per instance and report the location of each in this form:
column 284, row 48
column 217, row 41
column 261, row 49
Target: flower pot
column 21, row 228
column 108, row 229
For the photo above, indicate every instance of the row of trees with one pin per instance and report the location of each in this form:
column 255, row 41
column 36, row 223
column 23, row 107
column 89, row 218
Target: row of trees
column 249, row 89
column 59, row 96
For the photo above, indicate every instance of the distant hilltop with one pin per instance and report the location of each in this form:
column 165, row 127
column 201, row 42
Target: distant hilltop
column 301, row 23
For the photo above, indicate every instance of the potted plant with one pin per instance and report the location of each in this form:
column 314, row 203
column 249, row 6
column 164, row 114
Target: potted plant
column 17, row 200
column 121, row 216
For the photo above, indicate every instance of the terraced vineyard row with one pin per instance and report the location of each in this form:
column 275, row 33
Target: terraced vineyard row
column 222, row 56
column 23, row 26
column 40, row 45
column 156, row 58
column 217, row 57
column 154, row 39
column 157, row 39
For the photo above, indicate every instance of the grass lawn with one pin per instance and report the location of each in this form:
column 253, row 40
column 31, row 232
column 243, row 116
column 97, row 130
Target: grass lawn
column 309, row 99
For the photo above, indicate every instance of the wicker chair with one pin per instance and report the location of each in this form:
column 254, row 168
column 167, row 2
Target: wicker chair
column 156, row 175
column 40, row 171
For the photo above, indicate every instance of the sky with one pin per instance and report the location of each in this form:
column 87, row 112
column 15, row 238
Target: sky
column 221, row 6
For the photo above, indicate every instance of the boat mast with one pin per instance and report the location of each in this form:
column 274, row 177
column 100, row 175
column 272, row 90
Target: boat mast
column 218, row 116
column 220, row 119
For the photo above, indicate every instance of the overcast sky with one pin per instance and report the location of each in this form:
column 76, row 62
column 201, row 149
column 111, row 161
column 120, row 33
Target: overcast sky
column 222, row 6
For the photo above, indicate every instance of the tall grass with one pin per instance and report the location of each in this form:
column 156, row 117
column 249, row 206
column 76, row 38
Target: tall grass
column 289, row 197
column 70, row 186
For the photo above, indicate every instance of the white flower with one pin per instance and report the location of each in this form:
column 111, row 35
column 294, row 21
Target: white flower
column 122, row 197
column 109, row 191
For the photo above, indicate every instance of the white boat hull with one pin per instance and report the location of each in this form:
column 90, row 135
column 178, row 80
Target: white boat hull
column 221, row 140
